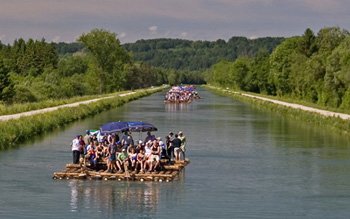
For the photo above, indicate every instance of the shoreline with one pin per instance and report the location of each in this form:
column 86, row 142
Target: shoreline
column 338, row 122
column 325, row 113
column 54, row 108
column 18, row 129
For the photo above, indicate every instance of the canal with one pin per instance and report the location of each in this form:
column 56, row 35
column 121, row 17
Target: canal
column 245, row 163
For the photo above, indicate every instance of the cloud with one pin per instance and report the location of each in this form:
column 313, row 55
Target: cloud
column 153, row 30
column 195, row 19
column 184, row 34
column 2, row 37
column 56, row 39
column 121, row 35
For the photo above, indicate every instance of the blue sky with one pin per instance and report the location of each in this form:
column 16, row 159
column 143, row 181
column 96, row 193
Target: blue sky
column 65, row 20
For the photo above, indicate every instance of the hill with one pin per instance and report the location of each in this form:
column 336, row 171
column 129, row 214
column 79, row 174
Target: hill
column 197, row 55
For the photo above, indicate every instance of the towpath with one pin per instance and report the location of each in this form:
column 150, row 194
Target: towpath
column 50, row 109
column 295, row 106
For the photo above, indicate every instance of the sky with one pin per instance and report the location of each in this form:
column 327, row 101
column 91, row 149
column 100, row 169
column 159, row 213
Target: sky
column 131, row 20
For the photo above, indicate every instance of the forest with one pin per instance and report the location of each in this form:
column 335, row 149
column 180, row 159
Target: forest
column 197, row 55
column 312, row 67
column 35, row 70
column 97, row 63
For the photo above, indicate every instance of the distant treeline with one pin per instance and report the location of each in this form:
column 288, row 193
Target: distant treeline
column 197, row 55
column 314, row 68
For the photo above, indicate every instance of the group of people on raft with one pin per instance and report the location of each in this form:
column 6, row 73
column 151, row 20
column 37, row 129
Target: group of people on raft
column 181, row 94
column 122, row 155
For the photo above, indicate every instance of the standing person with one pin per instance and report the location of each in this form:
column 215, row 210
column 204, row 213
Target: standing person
column 86, row 138
column 149, row 137
column 169, row 143
column 127, row 140
column 182, row 137
column 163, row 147
column 76, row 148
column 112, row 159
column 177, row 149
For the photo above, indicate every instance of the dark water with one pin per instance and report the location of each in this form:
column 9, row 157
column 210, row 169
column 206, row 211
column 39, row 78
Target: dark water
column 244, row 164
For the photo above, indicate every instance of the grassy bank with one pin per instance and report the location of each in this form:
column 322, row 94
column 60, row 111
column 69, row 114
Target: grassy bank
column 13, row 132
column 332, row 123
column 24, row 107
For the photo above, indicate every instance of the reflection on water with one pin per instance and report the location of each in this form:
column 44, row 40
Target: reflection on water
column 113, row 198
column 175, row 107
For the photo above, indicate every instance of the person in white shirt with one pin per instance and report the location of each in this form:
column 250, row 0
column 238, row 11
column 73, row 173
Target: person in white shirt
column 76, row 148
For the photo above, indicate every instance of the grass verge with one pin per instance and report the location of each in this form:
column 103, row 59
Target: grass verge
column 16, row 131
column 333, row 123
column 24, row 107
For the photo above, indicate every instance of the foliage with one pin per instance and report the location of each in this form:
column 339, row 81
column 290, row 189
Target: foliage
column 196, row 55
column 36, row 71
column 109, row 55
column 311, row 68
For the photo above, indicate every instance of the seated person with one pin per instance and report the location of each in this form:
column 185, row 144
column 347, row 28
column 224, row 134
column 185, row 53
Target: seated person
column 122, row 161
column 154, row 159
column 141, row 158
column 132, row 157
column 139, row 146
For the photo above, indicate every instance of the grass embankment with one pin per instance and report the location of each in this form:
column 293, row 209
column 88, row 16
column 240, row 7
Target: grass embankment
column 332, row 123
column 24, row 107
column 15, row 131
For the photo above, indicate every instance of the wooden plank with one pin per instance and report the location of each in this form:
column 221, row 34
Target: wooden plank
column 172, row 167
column 71, row 165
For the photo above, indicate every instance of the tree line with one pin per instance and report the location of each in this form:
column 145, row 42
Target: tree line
column 311, row 67
column 198, row 55
column 35, row 70
column 97, row 63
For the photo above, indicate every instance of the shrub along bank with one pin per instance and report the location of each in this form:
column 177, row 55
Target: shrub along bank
column 16, row 131
column 332, row 123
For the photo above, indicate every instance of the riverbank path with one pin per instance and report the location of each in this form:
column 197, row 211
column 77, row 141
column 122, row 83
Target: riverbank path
column 294, row 105
column 50, row 109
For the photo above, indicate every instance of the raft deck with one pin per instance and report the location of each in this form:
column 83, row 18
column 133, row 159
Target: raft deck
column 79, row 171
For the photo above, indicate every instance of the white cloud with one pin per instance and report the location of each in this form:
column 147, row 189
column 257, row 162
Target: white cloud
column 121, row 35
column 184, row 34
column 153, row 29
column 253, row 37
column 2, row 37
column 56, row 39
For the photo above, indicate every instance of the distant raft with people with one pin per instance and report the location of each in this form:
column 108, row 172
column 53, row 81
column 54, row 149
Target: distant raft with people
column 110, row 153
column 181, row 94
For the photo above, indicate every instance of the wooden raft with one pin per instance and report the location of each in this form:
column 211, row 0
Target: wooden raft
column 78, row 171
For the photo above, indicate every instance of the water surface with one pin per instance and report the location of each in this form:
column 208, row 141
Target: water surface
column 245, row 163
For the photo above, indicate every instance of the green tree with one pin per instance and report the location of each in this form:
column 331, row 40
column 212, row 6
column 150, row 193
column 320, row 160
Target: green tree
column 109, row 55
column 307, row 44
column 6, row 85
column 280, row 65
